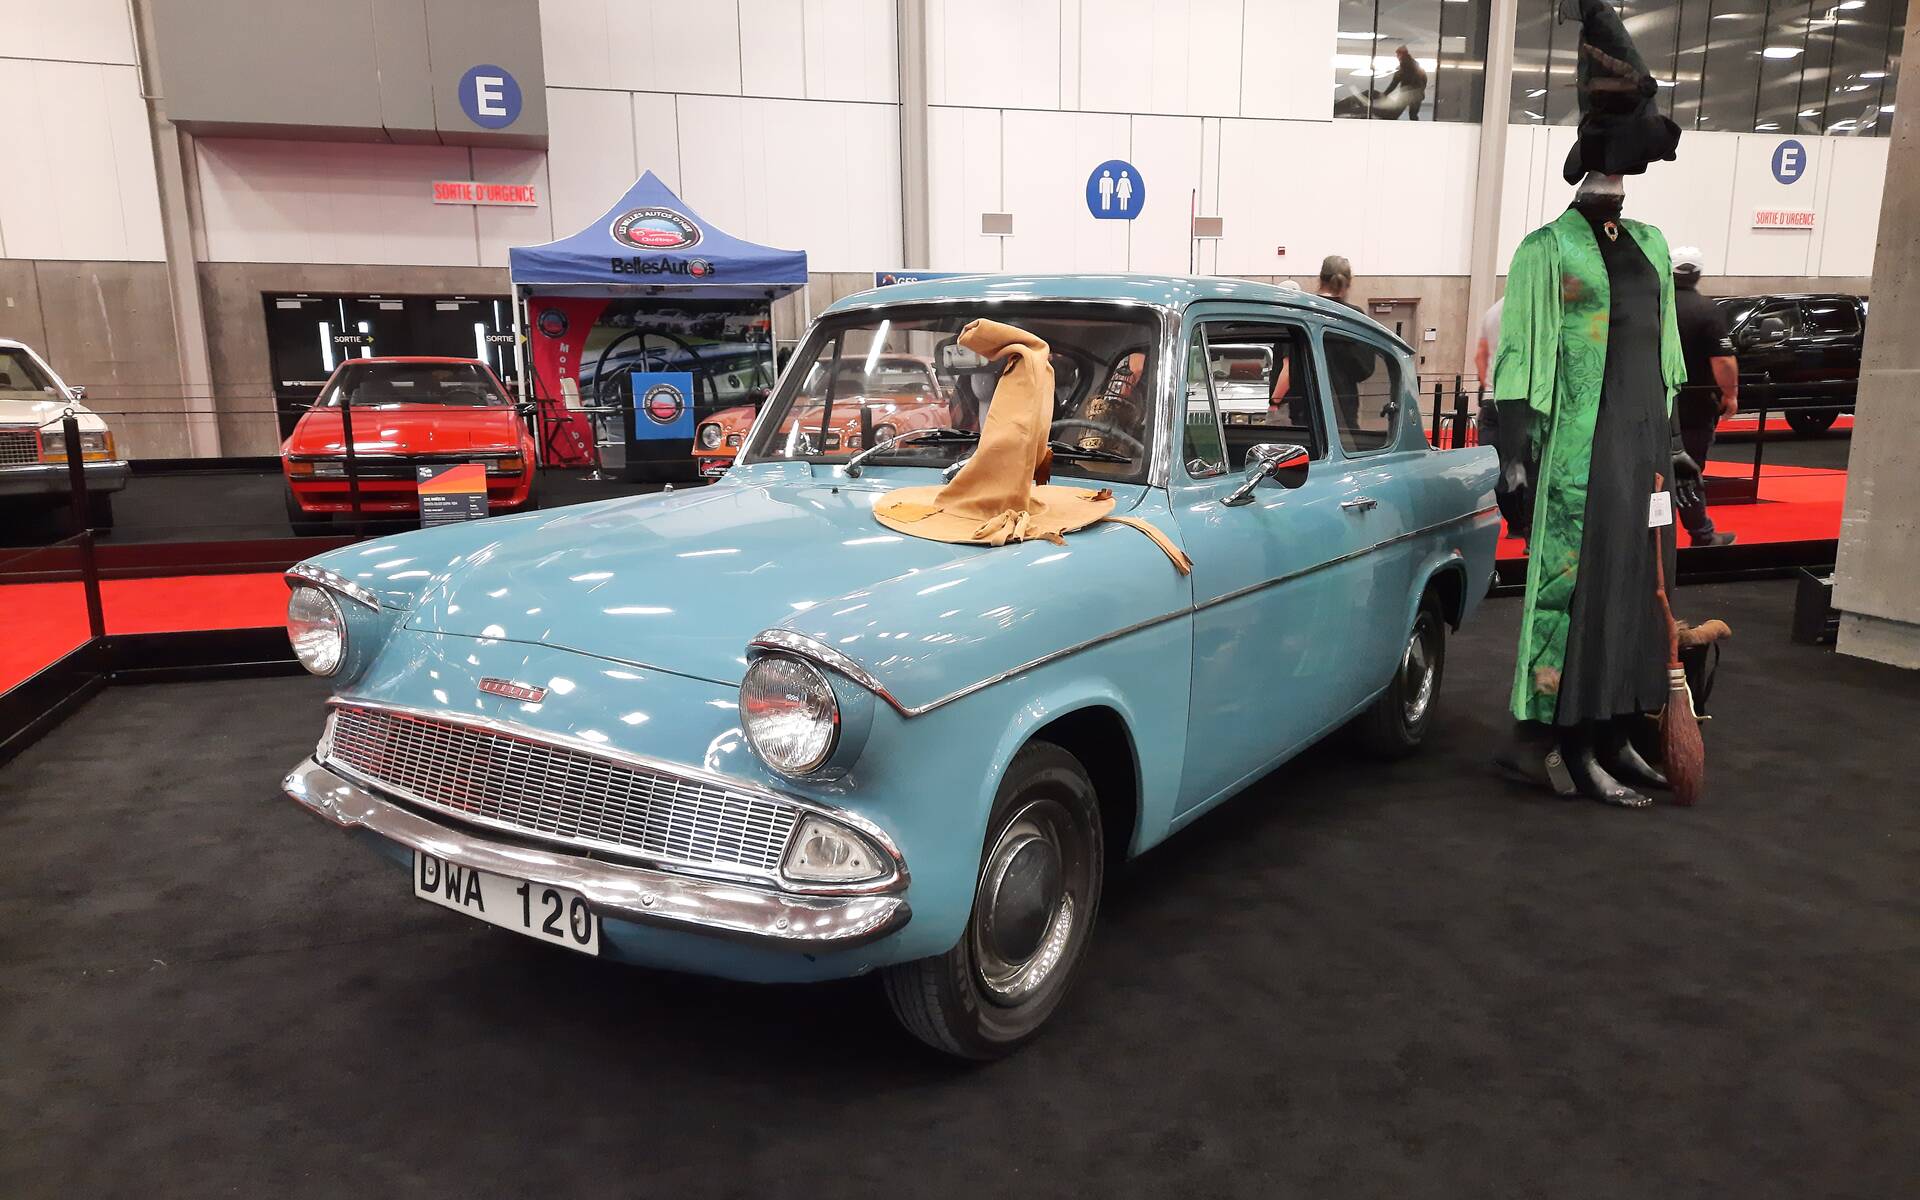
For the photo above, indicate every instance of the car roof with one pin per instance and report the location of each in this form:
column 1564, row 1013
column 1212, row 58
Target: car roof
column 1164, row 291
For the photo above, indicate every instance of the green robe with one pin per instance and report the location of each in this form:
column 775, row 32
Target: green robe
column 1553, row 355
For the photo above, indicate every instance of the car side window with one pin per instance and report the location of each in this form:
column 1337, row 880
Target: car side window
column 1366, row 385
column 1830, row 318
column 1201, row 446
column 1262, row 380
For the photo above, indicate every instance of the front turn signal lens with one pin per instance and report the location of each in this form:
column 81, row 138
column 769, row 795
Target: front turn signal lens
column 825, row 852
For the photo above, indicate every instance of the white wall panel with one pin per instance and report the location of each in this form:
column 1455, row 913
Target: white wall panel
column 672, row 46
column 574, row 44
column 972, row 60
column 1070, row 52
column 1158, row 70
column 1047, row 156
column 1286, row 69
column 1212, row 68
column 1296, row 184
column 1688, row 198
column 963, row 162
column 1168, row 152
column 88, row 31
column 322, row 202
column 773, row 59
column 1207, row 257
column 79, row 161
column 498, row 227
column 1418, row 198
column 1851, row 215
column 1117, row 56
column 810, row 175
column 1753, row 251
column 656, row 139
column 590, row 154
column 850, row 49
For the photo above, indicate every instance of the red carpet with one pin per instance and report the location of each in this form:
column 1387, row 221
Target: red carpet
column 1797, row 504
column 45, row 621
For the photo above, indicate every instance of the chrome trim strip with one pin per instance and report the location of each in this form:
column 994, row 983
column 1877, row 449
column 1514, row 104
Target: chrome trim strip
column 333, row 581
column 827, row 656
column 895, row 881
column 614, row 890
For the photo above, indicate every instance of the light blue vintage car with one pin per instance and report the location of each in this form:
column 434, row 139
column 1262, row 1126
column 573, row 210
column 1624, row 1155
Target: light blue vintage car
column 748, row 731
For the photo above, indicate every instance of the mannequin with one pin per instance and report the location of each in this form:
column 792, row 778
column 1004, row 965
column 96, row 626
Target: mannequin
column 1583, row 381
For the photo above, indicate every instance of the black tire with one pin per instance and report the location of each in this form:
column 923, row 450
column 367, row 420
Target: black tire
column 1396, row 723
column 1810, row 422
column 1044, row 846
column 303, row 524
column 100, row 511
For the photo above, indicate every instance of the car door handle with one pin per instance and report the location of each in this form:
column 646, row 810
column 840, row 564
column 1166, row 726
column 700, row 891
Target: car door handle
column 1359, row 504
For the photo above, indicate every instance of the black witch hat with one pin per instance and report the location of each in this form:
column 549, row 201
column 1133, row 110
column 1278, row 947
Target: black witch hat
column 1621, row 128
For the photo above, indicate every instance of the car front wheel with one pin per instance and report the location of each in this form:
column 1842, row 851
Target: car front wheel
column 1034, row 904
column 1397, row 721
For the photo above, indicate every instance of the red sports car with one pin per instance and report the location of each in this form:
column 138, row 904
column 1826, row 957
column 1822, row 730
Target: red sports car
column 407, row 413
column 897, row 392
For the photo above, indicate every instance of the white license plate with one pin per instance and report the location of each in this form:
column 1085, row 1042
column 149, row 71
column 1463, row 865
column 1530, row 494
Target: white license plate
column 550, row 914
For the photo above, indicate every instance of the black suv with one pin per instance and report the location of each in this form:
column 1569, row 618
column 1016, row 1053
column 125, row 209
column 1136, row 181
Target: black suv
column 1799, row 355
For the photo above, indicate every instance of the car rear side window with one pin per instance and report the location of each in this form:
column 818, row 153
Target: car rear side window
column 1366, row 387
column 1830, row 317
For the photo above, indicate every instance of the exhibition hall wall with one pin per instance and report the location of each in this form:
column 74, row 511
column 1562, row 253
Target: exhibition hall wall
column 779, row 121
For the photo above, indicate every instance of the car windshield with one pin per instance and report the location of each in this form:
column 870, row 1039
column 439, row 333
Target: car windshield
column 19, row 373
column 387, row 384
column 1736, row 309
column 865, row 377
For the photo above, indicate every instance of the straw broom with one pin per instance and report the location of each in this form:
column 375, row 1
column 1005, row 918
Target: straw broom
column 1684, row 755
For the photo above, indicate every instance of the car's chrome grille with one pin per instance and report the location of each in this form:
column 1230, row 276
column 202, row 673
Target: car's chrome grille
column 561, row 794
column 18, row 447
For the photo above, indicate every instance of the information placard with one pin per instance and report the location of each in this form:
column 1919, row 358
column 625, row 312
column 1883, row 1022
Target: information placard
column 452, row 492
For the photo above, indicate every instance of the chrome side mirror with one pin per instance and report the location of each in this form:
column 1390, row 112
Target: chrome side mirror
column 1284, row 462
column 78, row 391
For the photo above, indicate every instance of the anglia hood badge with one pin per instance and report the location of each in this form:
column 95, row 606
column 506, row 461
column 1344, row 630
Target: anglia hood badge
column 513, row 691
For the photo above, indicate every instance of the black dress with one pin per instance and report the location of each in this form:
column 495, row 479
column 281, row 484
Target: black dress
column 1616, row 636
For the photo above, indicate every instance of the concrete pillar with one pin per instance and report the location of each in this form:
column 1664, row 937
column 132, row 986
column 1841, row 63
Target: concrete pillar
column 1490, row 171
column 1876, row 584
column 910, row 23
column 172, row 166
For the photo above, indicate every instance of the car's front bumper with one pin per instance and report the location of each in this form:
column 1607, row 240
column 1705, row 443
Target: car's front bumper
column 52, row 479
column 768, row 918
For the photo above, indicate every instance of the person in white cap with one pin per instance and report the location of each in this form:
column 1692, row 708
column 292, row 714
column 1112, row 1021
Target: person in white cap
column 1712, row 389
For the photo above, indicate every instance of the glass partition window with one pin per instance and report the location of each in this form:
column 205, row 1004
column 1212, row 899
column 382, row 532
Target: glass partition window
column 1410, row 60
column 1806, row 66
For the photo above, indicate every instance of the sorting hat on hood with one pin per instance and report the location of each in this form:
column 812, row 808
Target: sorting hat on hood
column 1621, row 128
column 994, row 499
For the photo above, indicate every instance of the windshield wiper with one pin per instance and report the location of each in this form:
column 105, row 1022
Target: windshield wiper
column 1085, row 453
column 937, row 436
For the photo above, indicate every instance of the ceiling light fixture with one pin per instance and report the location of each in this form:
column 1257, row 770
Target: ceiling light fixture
column 1781, row 52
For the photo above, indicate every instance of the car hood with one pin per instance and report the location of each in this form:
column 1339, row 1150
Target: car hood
column 37, row 408
column 680, row 582
column 411, row 429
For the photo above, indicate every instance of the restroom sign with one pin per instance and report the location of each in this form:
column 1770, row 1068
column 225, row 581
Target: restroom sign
column 1115, row 191
column 1789, row 161
column 490, row 96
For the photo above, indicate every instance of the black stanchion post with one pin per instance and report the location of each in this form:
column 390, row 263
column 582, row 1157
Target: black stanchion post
column 1460, row 423
column 1759, row 450
column 77, row 489
column 1436, row 416
column 346, row 439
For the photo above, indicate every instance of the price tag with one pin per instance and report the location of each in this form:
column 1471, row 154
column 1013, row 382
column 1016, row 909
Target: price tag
column 1659, row 510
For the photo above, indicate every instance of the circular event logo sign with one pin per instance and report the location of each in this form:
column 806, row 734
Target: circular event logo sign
column 490, row 96
column 655, row 229
column 552, row 322
column 1789, row 161
column 663, row 404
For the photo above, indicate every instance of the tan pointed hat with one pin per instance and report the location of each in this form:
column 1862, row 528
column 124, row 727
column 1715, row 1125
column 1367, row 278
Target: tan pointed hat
column 993, row 499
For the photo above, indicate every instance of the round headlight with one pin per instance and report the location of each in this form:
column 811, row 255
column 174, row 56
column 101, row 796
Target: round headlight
column 316, row 629
column 789, row 712
column 709, row 436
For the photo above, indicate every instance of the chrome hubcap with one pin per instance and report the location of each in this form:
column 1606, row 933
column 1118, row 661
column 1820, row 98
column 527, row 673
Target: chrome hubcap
column 1024, row 916
column 1416, row 672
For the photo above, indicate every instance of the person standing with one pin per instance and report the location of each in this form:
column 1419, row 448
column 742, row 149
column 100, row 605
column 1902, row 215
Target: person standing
column 1712, row 389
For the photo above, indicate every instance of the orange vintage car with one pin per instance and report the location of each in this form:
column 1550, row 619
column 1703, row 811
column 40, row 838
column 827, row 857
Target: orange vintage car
column 407, row 413
column 896, row 392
